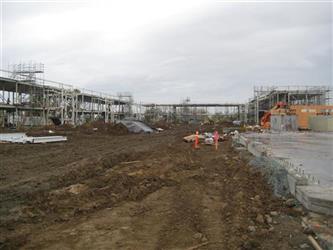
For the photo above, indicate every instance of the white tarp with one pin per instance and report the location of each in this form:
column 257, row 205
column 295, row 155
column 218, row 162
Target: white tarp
column 137, row 126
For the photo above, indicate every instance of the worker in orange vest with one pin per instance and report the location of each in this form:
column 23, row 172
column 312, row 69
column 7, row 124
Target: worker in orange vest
column 196, row 140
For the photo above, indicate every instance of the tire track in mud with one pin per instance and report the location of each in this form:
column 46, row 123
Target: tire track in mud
column 195, row 217
column 124, row 188
column 96, row 162
column 242, row 209
column 53, row 157
column 184, row 219
column 212, row 206
column 215, row 188
column 175, row 198
column 233, row 214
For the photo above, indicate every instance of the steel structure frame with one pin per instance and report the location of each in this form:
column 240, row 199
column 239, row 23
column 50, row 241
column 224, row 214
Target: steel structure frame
column 266, row 97
column 195, row 111
column 26, row 100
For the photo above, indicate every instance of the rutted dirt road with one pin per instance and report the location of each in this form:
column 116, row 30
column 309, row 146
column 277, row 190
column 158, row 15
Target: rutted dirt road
column 101, row 191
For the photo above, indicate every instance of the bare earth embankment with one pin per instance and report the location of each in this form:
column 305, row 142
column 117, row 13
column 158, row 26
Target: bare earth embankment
column 102, row 191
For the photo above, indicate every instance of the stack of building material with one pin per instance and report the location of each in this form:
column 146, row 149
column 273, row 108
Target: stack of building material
column 12, row 137
column 23, row 138
column 191, row 138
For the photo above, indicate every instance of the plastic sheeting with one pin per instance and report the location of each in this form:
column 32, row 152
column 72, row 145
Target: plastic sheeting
column 23, row 138
column 137, row 127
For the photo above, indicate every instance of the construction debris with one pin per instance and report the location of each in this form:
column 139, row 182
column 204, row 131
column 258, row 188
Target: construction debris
column 209, row 141
column 159, row 130
column 207, row 138
column 321, row 227
column 191, row 138
column 23, row 138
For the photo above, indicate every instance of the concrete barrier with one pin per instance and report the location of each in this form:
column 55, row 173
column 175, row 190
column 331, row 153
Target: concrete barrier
column 316, row 198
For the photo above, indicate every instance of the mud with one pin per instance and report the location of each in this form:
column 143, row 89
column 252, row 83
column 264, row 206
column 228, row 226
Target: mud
column 101, row 191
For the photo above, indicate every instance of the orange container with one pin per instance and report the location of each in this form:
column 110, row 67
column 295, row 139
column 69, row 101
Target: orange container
column 304, row 111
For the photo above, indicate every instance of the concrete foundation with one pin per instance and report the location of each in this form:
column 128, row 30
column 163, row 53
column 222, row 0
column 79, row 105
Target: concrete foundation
column 316, row 198
column 289, row 165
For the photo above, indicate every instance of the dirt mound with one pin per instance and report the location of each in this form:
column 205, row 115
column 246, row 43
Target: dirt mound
column 161, row 124
column 117, row 129
column 48, row 130
column 138, row 192
column 102, row 127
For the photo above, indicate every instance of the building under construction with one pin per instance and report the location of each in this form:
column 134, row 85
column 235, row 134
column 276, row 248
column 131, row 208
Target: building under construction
column 26, row 98
column 194, row 112
column 266, row 97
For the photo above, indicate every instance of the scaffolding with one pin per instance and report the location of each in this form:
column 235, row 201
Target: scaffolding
column 27, row 99
column 266, row 97
column 27, row 71
column 194, row 112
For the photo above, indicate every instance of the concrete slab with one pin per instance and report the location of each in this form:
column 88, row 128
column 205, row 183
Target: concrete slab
column 294, row 181
column 316, row 198
column 310, row 151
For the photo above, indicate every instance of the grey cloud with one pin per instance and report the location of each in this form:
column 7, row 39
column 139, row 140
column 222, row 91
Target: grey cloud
column 216, row 55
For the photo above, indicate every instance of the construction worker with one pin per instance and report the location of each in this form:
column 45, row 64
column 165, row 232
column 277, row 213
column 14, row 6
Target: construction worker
column 196, row 140
column 216, row 137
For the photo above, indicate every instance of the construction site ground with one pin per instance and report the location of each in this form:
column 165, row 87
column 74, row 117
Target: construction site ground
column 100, row 190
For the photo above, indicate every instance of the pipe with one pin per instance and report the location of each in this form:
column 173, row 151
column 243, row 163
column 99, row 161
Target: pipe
column 314, row 243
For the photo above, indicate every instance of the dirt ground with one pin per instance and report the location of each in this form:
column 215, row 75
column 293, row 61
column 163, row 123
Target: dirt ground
column 102, row 191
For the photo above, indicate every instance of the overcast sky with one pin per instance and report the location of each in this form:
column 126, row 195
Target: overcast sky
column 165, row 51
